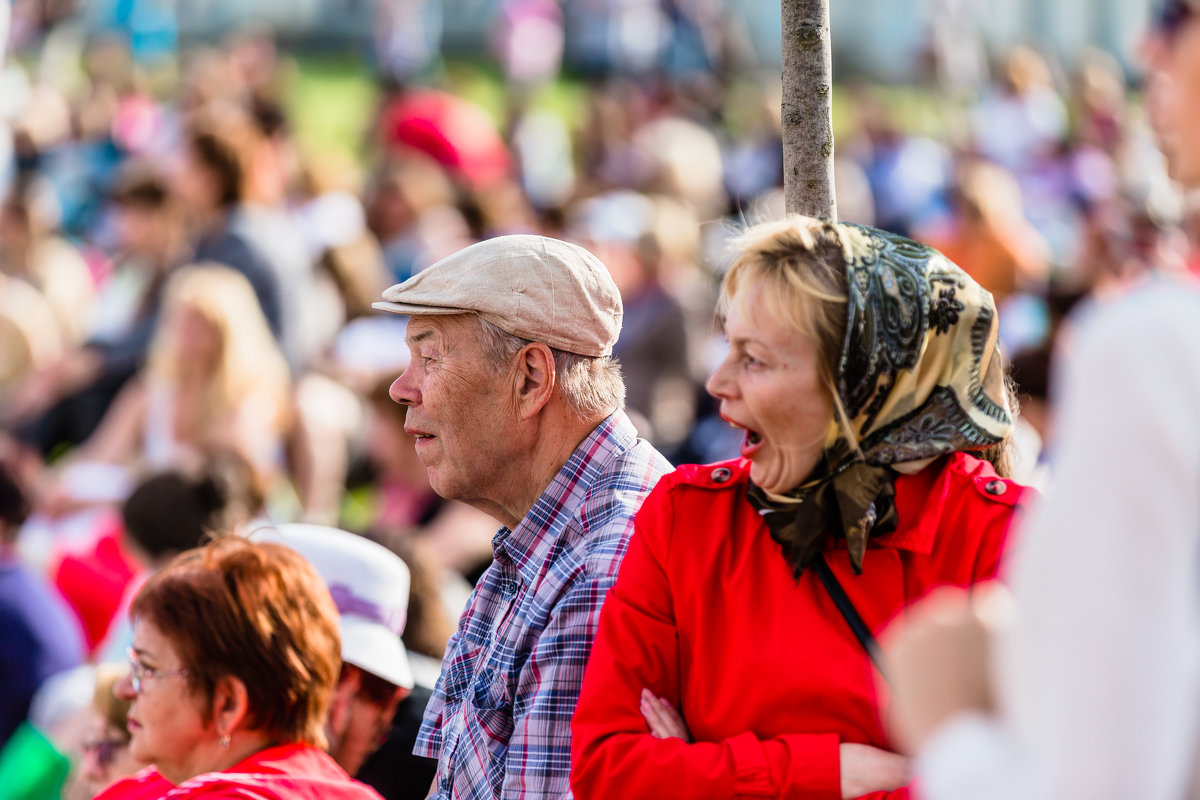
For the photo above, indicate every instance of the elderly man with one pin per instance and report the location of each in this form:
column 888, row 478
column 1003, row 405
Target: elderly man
column 515, row 404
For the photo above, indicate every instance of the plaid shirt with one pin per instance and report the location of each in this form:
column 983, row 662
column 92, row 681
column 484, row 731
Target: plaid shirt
column 499, row 721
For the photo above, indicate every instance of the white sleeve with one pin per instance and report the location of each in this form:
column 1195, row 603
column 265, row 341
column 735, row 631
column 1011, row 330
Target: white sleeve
column 1099, row 680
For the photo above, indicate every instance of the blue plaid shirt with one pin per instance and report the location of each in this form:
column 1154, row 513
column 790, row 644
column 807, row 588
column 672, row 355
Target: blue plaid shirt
column 499, row 721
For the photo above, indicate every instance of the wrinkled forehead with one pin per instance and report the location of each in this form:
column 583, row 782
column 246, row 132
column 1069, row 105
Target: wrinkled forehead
column 441, row 328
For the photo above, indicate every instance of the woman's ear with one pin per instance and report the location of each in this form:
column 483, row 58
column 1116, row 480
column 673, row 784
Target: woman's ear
column 231, row 705
column 535, row 378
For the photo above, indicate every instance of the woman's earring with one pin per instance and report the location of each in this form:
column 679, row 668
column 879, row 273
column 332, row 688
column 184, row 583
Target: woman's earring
column 224, row 741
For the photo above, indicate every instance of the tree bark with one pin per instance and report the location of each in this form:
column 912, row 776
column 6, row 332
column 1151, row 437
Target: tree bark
column 807, row 110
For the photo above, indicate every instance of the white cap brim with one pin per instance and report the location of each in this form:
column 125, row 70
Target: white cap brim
column 373, row 648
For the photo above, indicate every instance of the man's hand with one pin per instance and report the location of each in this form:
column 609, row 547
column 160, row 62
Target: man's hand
column 938, row 660
column 867, row 769
column 664, row 720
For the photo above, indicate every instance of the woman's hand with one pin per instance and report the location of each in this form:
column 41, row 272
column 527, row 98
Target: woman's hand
column 664, row 720
column 867, row 769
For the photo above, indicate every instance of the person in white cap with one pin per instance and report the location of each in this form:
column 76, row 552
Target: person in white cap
column 369, row 585
column 516, row 405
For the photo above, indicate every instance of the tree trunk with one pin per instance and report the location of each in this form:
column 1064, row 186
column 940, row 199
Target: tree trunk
column 807, row 110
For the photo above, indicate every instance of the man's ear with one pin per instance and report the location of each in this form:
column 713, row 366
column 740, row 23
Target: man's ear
column 231, row 704
column 535, row 378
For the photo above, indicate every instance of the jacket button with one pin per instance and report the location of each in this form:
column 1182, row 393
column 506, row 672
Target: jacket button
column 721, row 475
column 996, row 487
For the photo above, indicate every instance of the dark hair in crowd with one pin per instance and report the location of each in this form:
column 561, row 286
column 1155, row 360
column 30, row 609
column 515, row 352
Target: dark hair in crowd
column 141, row 187
column 14, row 503
column 218, row 153
column 175, row 511
column 260, row 613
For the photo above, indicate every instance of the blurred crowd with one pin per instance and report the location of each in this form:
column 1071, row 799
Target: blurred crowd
column 186, row 335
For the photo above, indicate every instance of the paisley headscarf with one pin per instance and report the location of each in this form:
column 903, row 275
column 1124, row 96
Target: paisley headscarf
column 919, row 377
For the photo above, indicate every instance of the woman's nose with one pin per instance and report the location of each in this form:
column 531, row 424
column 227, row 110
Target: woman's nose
column 718, row 382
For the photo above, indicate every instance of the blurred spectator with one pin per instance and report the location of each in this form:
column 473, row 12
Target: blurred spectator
column 173, row 511
column 210, row 181
column 1023, row 119
column 370, row 587
column 36, row 762
column 908, row 175
column 407, row 38
column 215, row 379
column 410, row 209
column 30, row 249
column 999, row 697
column 456, row 133
column 267, row 224
column 105, row 754
column 987, row 235
column 65, row 401
column 39, row 636
column 1030, row 372
column 30, row 340
column 653, row 345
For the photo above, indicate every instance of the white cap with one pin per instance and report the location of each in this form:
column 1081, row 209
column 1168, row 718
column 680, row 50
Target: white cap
column 369, row 584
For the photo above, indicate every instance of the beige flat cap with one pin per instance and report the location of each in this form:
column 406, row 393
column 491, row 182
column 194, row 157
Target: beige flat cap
column 538, row 288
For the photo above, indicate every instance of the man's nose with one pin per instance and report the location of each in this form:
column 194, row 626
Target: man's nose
column 404, row 391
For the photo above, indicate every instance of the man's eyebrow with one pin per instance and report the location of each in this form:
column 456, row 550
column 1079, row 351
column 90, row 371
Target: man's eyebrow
column 419, row 337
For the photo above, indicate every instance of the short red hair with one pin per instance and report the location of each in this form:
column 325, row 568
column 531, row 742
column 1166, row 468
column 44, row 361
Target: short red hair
column 260, row 613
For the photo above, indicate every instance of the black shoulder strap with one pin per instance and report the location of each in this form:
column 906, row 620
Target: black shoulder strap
column 849, row 612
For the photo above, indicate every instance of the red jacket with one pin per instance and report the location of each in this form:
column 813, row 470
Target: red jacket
column 286, row 772
column 765, row 671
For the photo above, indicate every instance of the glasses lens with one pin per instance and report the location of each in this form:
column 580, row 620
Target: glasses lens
column 104, row 751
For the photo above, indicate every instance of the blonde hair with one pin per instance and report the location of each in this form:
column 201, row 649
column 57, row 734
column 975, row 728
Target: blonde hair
column 249, row 360
column 800, row 265
column 114, row 710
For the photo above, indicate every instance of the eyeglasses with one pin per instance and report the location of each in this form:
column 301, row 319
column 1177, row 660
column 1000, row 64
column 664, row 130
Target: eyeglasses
column 139, row 672
column 105, row 750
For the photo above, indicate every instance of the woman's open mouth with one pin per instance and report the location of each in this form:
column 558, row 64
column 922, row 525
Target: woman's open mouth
column 751, row 443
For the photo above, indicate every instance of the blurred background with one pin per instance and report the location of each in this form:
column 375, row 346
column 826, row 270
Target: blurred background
column 201, row 199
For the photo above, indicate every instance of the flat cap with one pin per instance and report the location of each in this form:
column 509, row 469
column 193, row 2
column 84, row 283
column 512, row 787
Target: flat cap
column 541, row 289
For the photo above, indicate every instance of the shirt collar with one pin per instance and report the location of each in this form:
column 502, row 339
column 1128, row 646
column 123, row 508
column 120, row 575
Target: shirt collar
column 529, row 544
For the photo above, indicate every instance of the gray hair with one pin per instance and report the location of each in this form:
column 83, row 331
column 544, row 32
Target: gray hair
column 592, row 386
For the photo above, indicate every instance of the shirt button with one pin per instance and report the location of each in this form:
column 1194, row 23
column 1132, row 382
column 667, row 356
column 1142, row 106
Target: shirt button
column 721, row 475
column 508, row 588
column 996, row 487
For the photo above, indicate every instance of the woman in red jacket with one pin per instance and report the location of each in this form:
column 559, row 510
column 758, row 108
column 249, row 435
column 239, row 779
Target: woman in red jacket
column 862, row 367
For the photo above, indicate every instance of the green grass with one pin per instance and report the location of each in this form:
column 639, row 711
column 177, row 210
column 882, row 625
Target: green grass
column 330, row 100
